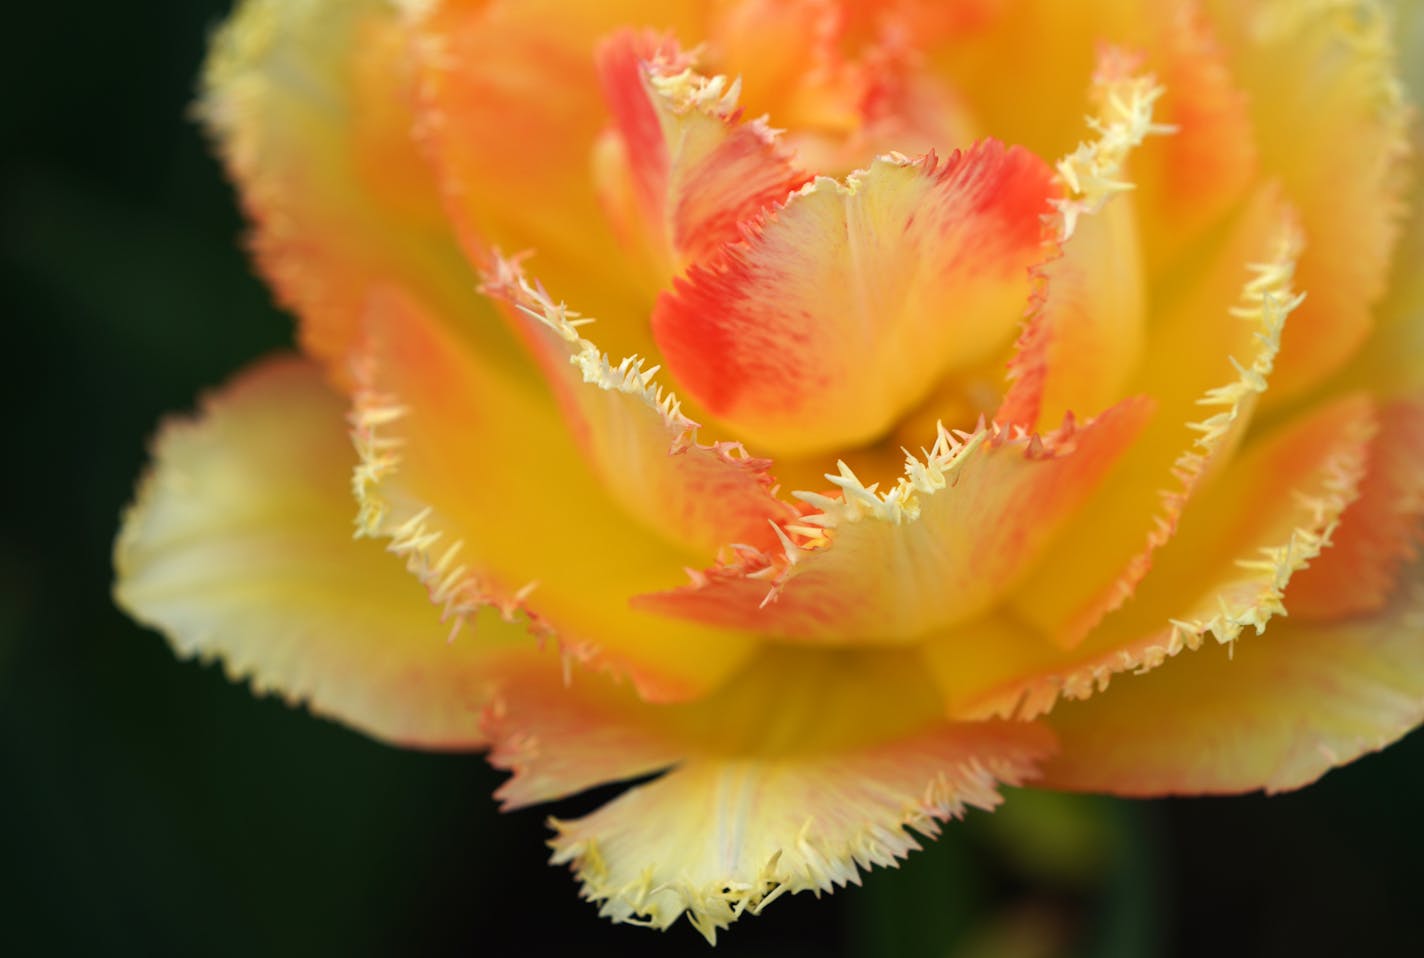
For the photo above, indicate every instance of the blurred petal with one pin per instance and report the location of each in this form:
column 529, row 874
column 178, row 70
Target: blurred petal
column 1269, row 516
column 949, row 540
column 1274, row 714
column 310, row 104
column 1331, row 123
column 239, row 547
column 1378, row 533
column 471, row 474
column 636, row 439
column 848, row 284
column 1189, row 181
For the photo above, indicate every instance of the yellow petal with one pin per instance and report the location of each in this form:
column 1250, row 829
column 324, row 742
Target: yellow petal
column 1331, row 124
column 937, row 549
column 311, row 106
column 804, row 770
column 1213, row 349
column 511, row 109
column 471, row 474
column 1275, row 713
column 239, row 548
column 1269, row 515
column 635, row 437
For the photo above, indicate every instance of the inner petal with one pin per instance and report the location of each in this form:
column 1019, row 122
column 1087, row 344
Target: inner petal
column 843, row 309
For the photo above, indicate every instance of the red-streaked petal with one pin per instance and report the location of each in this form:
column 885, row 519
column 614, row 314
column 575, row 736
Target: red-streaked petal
column 239, row 548
column 635, row 437
column 696, row 169
column 1378, row 533
column 1270, row 514
column 472, row 475
column 1084, row 336
column 842, row 309
column 937, row 550
column 1275, row 714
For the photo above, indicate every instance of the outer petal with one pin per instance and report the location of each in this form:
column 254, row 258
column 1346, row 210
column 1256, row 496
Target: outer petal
column 842, row 309
column 1275, row 714
column 805, row 769
column 635, row 437
column 1380, row 531
column 1272, row 512
column 310, row 105
column 948, row 541
column 239, row 547
column 472, row 476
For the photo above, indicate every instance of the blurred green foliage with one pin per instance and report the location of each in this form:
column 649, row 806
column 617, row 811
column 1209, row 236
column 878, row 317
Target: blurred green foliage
column 150, row 807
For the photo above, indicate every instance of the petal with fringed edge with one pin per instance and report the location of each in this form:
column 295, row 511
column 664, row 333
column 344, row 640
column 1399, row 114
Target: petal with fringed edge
column 680, row 150
column 311, row 107
column 1214, row 350
column 950, row 539
column 1381, row 530
column 472, row 476
column 1274, row 714
column 908, row 270
column 804, row 770
column 238, row 547
column 511, row 112
column 635, row 437
column 1085, row 332
column 1332, row 124
column 1270, row 515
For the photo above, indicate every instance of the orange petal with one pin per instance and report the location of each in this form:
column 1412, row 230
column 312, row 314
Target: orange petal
column 802, row 771
column 1378, row 533
column 1276, row 713
column 1331, row 122
column 697, row 171
column 1268, row 516
column 311, row 107
column 844, row 94
column 829, row 321
column 238, row 547
column 471, row 474
column 635, row 437
column 1189, row 181
column 938, row 549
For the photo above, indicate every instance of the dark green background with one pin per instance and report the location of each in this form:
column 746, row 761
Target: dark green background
column 149, row 807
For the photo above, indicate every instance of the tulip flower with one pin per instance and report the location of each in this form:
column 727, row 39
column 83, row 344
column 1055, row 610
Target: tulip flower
column 817, row 414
